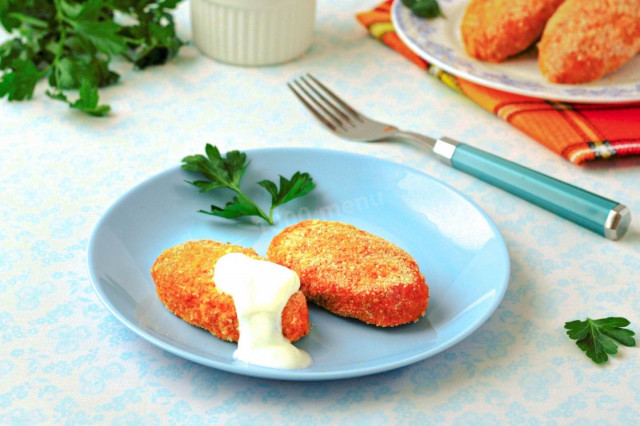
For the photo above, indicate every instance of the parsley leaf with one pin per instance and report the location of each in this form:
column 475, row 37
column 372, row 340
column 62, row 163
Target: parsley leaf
column 299, row 185
column 424, row 8
column 103, row 35
column 227, row 172
column 18, row 84
column 597, row 338
column 72, row 42
column 239, row 206
column 87, row 102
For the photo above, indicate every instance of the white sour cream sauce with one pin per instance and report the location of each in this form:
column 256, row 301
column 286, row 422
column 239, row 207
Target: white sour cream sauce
column 260, row 290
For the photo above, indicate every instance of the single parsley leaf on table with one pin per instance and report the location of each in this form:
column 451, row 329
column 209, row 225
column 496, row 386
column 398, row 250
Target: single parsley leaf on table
column 71, row 43
column 227, row 172
column 597, row 338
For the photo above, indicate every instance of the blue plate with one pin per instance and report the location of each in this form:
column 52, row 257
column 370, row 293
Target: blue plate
column 458, row 248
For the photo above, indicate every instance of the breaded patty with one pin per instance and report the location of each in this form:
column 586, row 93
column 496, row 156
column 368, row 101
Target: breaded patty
column 183, row 275
column 352, row 273
column 585, row 40
column 493, row 30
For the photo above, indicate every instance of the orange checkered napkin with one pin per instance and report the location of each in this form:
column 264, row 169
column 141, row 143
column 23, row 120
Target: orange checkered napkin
column 579, row 132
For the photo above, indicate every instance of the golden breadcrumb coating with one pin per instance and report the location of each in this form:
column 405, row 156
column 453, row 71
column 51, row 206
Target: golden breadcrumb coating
column 352, row 273
column 585, row 40
column 184, row 282
column 493, row 30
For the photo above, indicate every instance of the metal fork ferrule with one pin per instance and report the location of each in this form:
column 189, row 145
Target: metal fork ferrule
column 617, row 222
column 444, row 149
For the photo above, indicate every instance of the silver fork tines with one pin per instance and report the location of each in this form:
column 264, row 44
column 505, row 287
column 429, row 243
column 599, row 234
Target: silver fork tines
column 336, row 98
column 334, row 113
column 342, row 119
column 323, row 114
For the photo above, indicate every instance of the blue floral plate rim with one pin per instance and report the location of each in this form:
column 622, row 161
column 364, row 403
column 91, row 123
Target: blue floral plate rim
column 438, row 41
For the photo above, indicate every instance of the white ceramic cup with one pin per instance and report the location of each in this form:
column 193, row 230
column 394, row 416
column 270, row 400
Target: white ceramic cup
column 253, row 32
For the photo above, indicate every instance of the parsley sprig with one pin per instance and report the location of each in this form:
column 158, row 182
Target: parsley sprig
column 597, row 338
column 227, row 172
column 71, row 43
column 424, row 8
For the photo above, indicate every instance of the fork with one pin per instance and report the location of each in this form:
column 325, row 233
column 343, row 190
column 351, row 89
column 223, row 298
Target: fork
column 603, row 216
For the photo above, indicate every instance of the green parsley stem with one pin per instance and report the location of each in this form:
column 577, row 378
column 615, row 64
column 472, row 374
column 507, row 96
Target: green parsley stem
column 273, row 207
column 262, row 214
column 60, row 47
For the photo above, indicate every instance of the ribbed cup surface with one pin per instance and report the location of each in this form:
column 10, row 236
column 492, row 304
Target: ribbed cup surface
column 253, row 36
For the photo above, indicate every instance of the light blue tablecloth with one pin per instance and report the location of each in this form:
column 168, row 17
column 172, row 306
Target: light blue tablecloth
column 65, row 359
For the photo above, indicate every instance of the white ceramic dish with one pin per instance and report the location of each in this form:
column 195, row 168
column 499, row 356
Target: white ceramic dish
column 439, row 42
column 253, row 32
column 458, row 248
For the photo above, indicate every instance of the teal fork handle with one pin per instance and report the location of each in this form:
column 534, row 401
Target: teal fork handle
column 598, row 214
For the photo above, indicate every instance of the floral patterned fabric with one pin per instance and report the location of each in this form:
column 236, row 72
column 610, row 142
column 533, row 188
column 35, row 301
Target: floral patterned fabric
column 578, row 132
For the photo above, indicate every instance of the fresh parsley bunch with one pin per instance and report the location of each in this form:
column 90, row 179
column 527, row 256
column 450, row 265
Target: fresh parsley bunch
column 227, row 171
column 72, row 42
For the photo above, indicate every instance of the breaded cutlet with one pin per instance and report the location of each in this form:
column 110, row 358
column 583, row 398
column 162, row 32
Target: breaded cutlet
column 494, row 30
column 352, row 273
column 584, row 40
column 183, row 275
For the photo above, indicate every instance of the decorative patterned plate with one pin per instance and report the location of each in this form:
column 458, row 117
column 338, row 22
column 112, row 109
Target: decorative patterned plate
column 458, row 248
column 439, row 42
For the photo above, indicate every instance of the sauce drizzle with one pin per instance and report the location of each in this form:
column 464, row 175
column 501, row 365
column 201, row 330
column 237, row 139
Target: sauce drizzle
column 260, row 290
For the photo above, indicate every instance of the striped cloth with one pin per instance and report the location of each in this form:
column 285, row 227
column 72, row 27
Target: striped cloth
column 578, row 132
